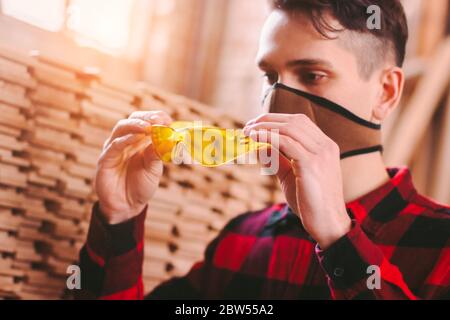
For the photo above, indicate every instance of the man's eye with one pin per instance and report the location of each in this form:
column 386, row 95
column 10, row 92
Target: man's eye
column 271, row 78
column 313, row 77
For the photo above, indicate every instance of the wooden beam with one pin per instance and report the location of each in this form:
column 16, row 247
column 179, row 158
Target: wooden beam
column 204, row 68
column 440, row 185
column 433, row 25
column 423, row 104
column 421, row 163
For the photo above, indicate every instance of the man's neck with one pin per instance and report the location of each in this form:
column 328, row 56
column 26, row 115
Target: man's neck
column 363, row 174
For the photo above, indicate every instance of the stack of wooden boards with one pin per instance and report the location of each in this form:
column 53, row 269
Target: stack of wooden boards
column 54, row 119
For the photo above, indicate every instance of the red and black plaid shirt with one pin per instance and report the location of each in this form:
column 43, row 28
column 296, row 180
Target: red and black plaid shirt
column 268, row 255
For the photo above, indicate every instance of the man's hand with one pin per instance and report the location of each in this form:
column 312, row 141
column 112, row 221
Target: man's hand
column 129, row 171
column 310, row 173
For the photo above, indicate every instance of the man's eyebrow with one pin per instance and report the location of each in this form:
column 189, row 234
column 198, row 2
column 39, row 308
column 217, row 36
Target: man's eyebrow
column 264, row 65
column 310, row 63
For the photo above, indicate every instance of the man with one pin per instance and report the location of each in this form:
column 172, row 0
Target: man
column 347, row 219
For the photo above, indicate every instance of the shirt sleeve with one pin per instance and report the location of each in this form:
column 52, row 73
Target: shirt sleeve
column 352, row 266
column 111, row 264
column 112, row 258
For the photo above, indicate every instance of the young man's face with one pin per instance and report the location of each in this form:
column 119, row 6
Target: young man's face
column 292, row 52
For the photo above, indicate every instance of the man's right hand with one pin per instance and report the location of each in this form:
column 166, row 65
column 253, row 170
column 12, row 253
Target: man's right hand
column 129, row 171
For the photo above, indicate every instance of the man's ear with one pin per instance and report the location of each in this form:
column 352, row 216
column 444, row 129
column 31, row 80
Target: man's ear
column 392, row 84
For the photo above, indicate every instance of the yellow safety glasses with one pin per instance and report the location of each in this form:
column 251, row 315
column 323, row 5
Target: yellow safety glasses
column 206, row 145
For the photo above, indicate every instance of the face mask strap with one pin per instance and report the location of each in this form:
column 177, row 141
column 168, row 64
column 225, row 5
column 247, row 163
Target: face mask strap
column 320, row 102
column 359, row 152
column 325, row 103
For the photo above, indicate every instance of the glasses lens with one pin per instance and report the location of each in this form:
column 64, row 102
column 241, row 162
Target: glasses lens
column 208, row 146
column 164, row 142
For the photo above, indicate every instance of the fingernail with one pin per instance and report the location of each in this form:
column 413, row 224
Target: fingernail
column 253, row 135
column 246, row 131
column 143, row 124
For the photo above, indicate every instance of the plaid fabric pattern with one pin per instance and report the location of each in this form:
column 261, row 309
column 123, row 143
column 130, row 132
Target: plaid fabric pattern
column 268, row 255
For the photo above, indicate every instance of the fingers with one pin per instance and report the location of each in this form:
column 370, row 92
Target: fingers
column 129, row 133
column 269, row 117
column 296, row 126
column 116, row 149
column 153, row 117
column 138, row 123
column 310, row 141
column 296, row 120
column 287, row 146
column 125, row 127
column 296, row 151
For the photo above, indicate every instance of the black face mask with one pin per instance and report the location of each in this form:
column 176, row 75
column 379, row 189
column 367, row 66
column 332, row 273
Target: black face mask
column 354, row 135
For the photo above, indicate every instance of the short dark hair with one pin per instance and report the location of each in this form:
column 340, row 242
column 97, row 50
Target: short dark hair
column 352, row 15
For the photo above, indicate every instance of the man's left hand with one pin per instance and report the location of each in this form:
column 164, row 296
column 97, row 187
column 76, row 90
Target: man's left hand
column 310, row 173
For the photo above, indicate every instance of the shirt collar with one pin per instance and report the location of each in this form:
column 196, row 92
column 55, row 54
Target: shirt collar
column 387, row 200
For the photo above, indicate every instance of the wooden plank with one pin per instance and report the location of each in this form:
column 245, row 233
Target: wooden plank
column 10, row 131
column 63, row 64
column 87, row 155
column 16, row 56
column 100, row 116
column 156, row 268
column 7, row 284
column 45, row 137
column 126, row 87
column 8, row 222
column 47, row 169
column 26, row 252
column 10, row 198
column 35, row 178
column 75, row 187
column 49, row 155
column 32, row 234
column 42, row 279
column 112, row 103
column 6, row 268
column 11, row 175
column 15, row 161
column 159, row 250
column 92, row 135
column 79, row 170
column 69, row 126
column 108, row 91
column 13, row 94
column 11, row 143
column 11, row 117
column 7, row 244
column 56, row 98
column 16, row 73
column 158, row 230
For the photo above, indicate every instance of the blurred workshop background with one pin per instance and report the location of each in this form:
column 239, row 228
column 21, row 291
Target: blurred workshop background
column 70, row 69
